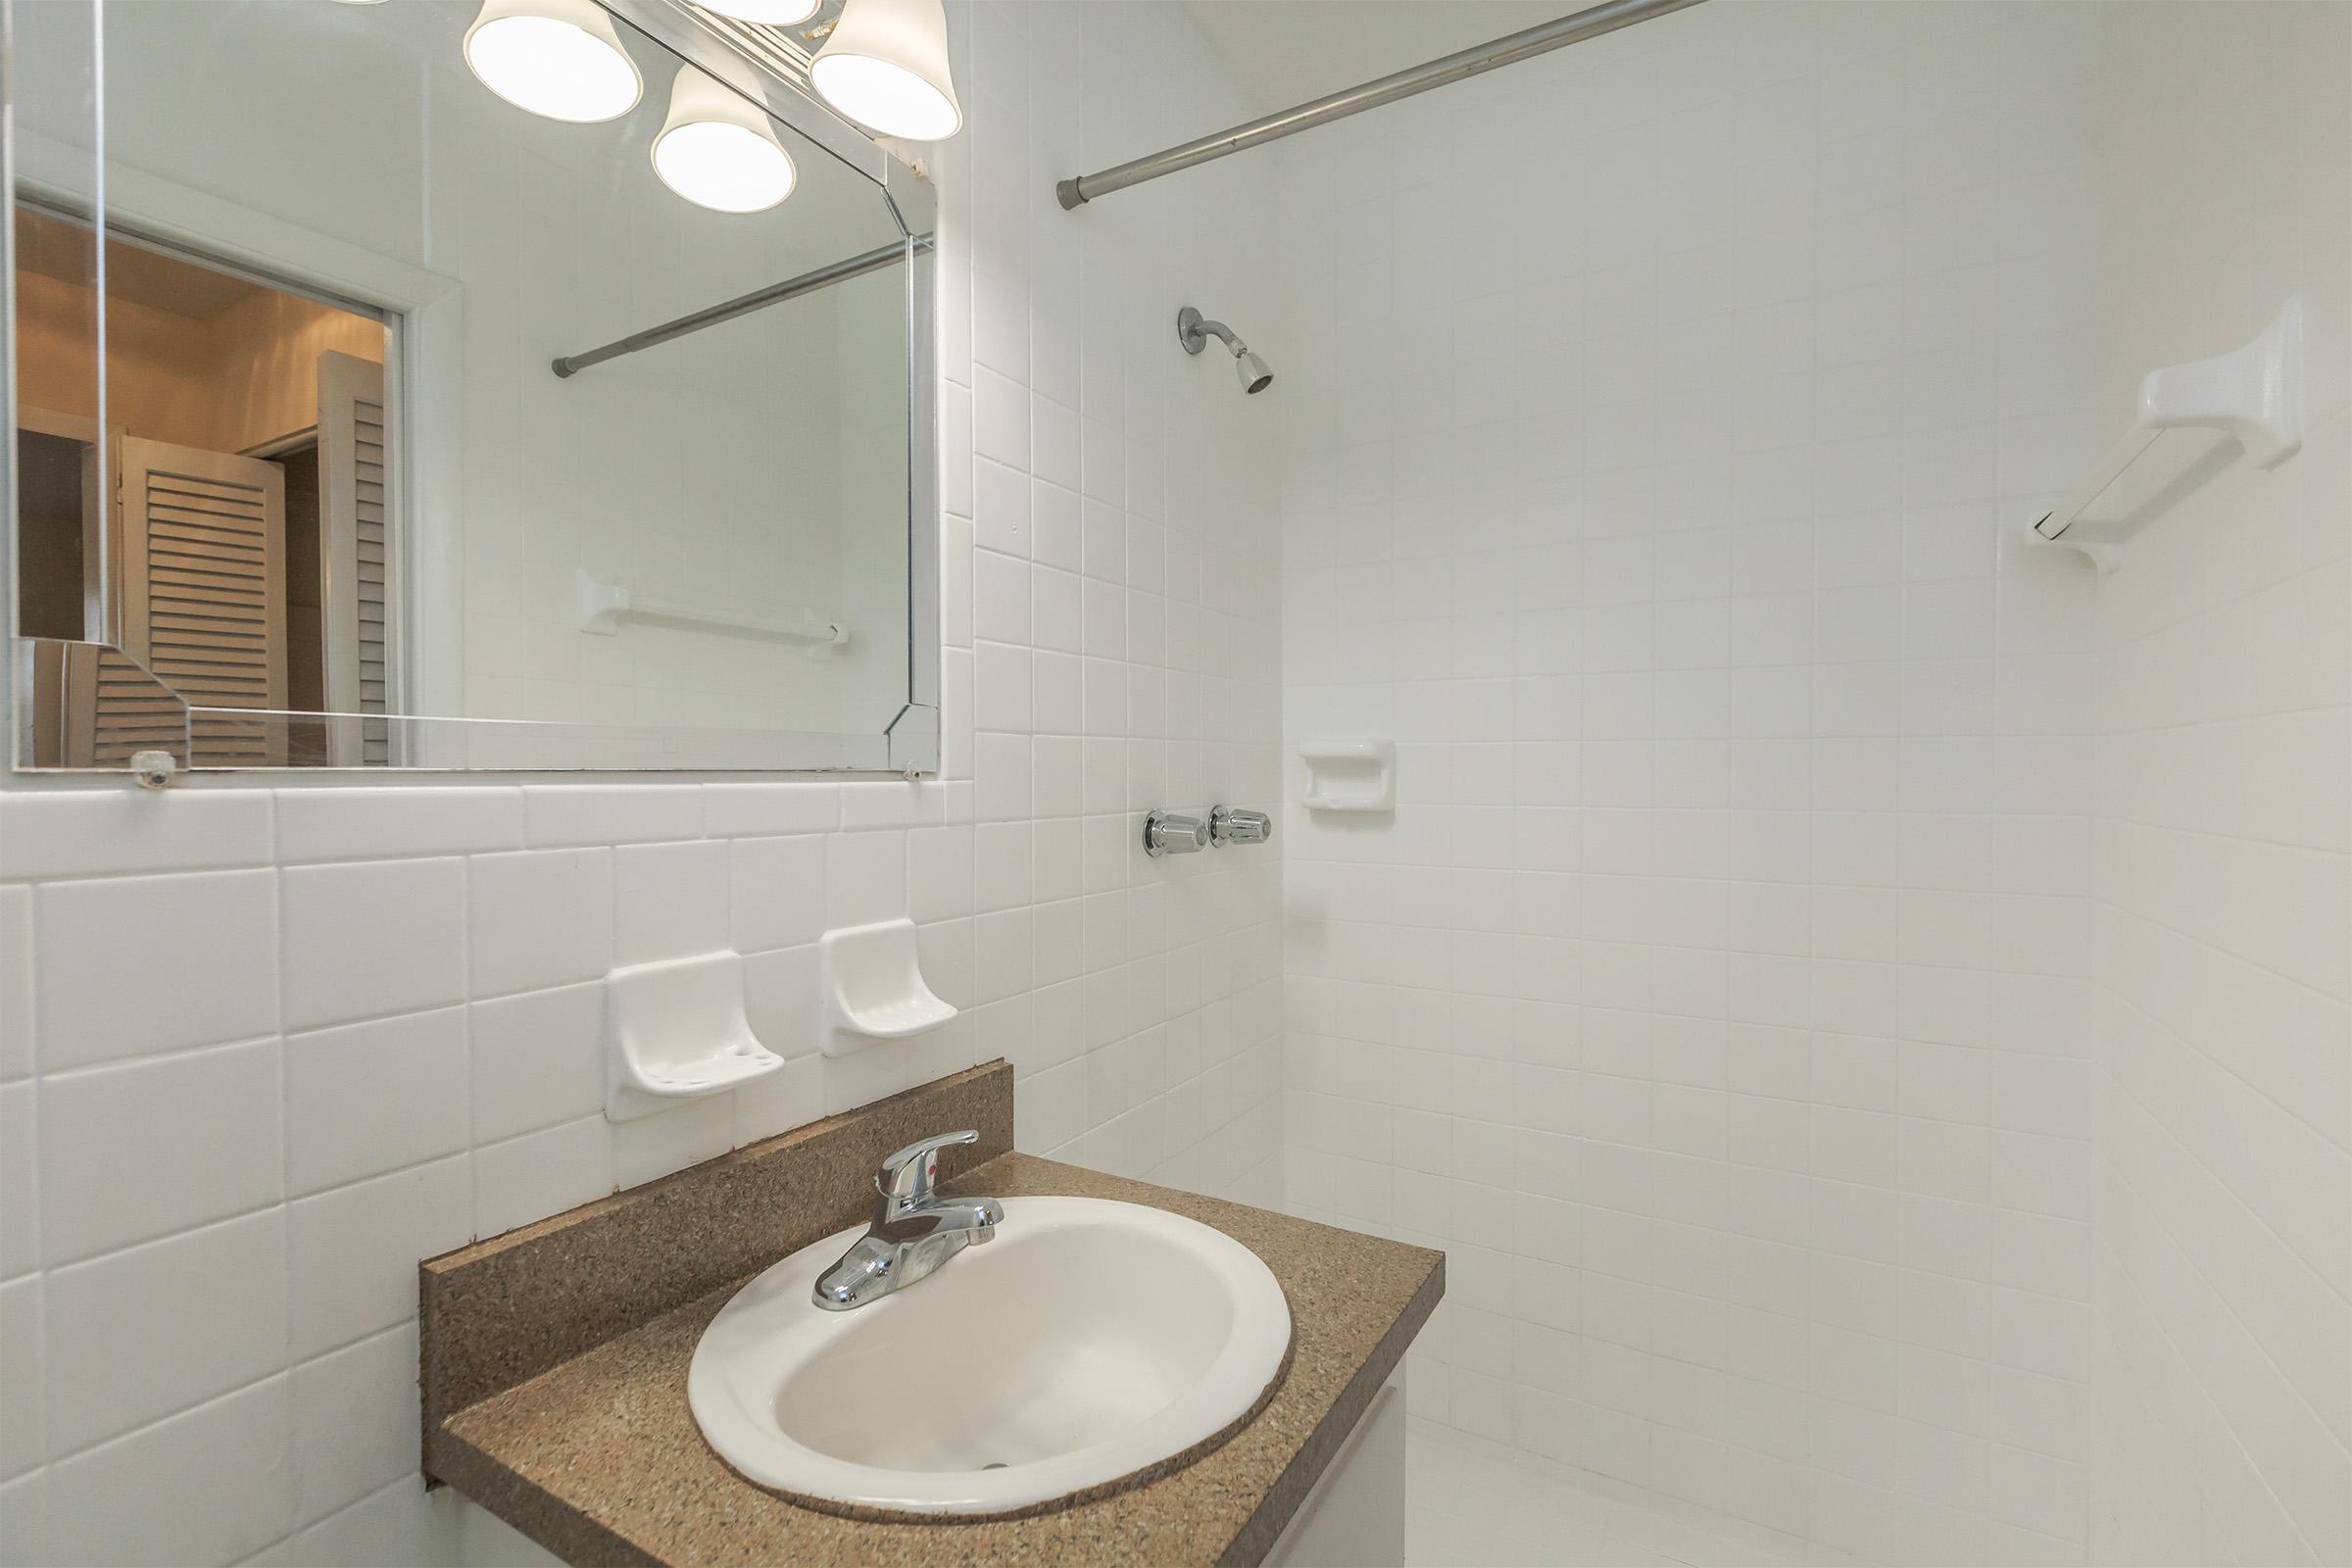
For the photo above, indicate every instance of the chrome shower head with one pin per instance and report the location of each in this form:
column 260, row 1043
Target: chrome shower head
column 1193, row 330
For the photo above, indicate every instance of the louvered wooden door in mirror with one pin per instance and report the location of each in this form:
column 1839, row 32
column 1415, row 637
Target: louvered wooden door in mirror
column 204, row 603
column 354, row 552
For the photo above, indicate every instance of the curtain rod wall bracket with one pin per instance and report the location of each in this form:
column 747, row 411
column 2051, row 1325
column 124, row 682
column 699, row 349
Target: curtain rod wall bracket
column 1507, row 50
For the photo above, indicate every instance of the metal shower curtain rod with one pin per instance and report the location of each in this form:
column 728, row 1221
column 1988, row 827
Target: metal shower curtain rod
column 759, row 298
column 1509, row 50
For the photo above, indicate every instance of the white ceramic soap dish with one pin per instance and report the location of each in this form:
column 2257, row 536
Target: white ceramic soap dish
column 1349, row 775
column 675, row 1031
column 875, row 987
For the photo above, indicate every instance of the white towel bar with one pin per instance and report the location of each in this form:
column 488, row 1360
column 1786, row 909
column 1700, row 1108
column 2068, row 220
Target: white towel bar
column 2253, row 393
column 603, row 605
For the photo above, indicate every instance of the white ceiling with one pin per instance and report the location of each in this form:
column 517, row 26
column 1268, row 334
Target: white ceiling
column 1286, row 52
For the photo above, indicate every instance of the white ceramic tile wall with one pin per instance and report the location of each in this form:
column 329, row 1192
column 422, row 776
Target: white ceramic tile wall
column 261, row 1050
column 1719, row 993
column 2224, row 1378
column 1722, row 997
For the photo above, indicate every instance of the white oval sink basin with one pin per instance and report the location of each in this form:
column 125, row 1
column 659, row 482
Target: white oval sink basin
column 1088, row 1341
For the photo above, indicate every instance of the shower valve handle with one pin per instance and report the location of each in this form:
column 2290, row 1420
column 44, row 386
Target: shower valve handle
column 1166, row 833
column 1229, row 824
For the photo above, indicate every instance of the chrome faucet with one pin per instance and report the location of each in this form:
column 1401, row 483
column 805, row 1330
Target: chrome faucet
column 913, row 1230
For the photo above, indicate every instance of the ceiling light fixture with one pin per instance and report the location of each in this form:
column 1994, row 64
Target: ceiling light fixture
column 558, row 58
column 886, row 66
column 717, row 150
column 775, row 13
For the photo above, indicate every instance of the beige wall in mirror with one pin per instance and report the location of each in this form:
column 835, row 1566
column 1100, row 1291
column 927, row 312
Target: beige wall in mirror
column 325, row 496
column 246, row 495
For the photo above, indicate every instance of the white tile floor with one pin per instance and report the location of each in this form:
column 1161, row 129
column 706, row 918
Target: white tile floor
column 1475, row 1505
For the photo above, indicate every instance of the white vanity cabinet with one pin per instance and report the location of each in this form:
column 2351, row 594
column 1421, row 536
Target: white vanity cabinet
column 1354, row 1517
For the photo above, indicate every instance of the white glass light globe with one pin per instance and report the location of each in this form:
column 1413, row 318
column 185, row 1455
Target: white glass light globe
column 892, row 99
column 717, row 150
column 886, row 66
column 724, row 168
column 558, row 58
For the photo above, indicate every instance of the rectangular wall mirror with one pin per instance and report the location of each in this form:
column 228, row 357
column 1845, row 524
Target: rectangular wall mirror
column 365, row 418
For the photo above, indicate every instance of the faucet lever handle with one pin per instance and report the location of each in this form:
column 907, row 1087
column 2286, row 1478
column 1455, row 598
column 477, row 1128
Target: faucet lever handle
column 907, row 1176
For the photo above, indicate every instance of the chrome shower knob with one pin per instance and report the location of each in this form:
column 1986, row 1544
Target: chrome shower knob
column 1232, row 825
column 1166, row 833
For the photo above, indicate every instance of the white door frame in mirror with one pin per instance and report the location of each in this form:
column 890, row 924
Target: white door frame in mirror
column 423, row 395
column 426, row 315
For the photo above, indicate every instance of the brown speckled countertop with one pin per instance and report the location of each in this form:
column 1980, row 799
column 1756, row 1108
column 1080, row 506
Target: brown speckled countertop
column 598, row 1457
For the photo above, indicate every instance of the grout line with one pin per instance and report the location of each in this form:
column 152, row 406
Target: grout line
column 127, row 1434
column 2332, row 1003
column 169, row 1055
column 2090, row 1063
column 2173, row 1136
column 2253, row 1465
column 1659, row 1219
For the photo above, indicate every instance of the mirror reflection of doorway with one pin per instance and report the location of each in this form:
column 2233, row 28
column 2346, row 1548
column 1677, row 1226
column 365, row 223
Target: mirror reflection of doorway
column 238, row 547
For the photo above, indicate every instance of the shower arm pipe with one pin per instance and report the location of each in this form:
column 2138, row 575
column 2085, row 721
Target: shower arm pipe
column 1509, row 50
column 1222, row 334
column 759, row 299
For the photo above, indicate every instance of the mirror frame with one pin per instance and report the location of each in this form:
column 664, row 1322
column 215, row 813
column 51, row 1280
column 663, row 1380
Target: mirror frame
column 427, row 308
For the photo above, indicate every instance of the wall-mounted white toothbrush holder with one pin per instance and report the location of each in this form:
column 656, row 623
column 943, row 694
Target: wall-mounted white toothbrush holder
column 875, row 988
column 2253, row 393
column 1349, row 775
column 675, row 1031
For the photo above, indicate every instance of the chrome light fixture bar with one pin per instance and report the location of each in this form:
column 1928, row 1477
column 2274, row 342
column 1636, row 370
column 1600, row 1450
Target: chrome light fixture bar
column 767, row 13
column 1509, row 50
column 881, row 256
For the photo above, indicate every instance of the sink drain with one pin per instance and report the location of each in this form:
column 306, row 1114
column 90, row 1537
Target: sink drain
column 998, row 1465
